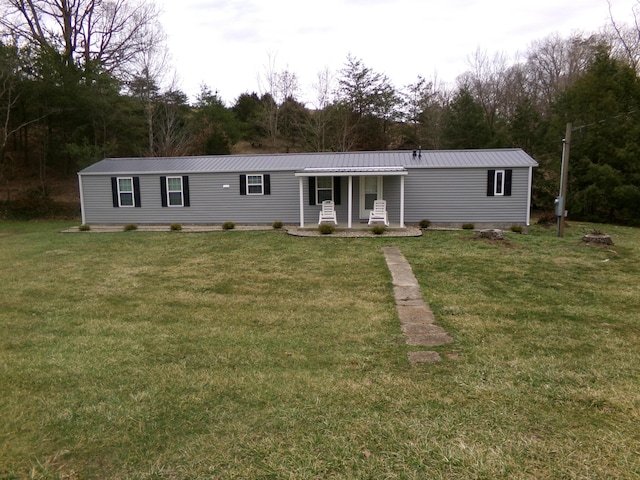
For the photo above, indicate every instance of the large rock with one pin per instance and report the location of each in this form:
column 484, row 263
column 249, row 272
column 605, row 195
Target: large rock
column 598, row 238
column 491, row 234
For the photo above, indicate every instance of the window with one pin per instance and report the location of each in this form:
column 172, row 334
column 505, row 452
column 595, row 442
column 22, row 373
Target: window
column 499, row 183
column 255, row 184
column 125, row 191
column 174, row 191
column 324, row 189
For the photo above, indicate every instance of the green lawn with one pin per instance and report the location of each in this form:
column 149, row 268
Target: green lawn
column 258, row 355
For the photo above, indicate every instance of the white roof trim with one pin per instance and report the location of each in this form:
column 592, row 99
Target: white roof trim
column 359, row 171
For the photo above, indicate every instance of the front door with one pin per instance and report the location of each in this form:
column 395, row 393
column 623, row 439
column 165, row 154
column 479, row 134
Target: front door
column 370, row 190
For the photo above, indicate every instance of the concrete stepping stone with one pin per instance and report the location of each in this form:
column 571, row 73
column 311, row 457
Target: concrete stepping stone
column 416, row 318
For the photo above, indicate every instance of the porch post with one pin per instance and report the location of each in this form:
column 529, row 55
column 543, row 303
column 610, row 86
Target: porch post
column 301, row 203
column 350, row 202
column 401, row 201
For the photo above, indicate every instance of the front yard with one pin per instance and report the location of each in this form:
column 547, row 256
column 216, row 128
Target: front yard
column 259, row 355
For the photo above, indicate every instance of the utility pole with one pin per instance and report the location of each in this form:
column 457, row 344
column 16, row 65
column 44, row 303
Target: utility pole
column 561, row 200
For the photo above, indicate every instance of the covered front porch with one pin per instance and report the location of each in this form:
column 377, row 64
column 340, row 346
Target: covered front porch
column 364, row 185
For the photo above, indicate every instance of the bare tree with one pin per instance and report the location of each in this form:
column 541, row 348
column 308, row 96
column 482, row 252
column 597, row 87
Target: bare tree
column 86, row 33
column 276, row 88
column 554, row 63
column 626, row 38
column 150, row 70
column 319, row 118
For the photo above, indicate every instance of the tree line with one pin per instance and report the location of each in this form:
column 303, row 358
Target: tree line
column 86, row 79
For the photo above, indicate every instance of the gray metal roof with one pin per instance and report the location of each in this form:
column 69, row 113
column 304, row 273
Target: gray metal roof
column 352, row 161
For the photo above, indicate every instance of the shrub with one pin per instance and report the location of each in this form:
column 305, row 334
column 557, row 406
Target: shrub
column 228, row 226
column 277, row 224
column 84, row 227
column 425, row 223
column 547, row 218
column 468, row 226
column 326, row 228
column 129, row 227
column 517, row 228
column 378, row 229
column 175, row 227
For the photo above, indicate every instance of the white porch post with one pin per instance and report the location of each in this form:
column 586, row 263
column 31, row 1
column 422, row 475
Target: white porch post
column 301, row 203
column 402, row 201
column 350, row 202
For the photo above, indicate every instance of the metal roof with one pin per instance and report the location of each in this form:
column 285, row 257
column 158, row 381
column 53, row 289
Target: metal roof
column 339, row 161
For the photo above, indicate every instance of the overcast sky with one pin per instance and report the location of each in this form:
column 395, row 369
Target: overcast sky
column 226, row 44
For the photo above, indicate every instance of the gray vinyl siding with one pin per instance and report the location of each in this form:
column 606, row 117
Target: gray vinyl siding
column 441, row 195
column 459, row 195
column 211, row 203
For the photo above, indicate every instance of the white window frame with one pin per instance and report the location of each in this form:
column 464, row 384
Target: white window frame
column 126, row 192
column 498, row 183
column 261, row 184
column 324, row 189
column 169, row 192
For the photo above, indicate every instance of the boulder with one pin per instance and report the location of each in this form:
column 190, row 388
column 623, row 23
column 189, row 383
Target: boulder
column 598, row 238
column 491, row 234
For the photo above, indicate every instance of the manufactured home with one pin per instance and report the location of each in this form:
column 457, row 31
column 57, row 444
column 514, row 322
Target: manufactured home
column 489, row 188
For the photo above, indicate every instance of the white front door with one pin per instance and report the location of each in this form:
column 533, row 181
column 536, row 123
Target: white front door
column 370, row 190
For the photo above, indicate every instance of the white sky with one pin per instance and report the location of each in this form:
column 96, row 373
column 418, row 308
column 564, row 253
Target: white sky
column 226, row 44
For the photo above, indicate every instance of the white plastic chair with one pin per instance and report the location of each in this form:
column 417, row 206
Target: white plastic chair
column 379, row 212
column 328, row 213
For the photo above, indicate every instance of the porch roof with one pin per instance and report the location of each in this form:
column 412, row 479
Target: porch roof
column 355, row 171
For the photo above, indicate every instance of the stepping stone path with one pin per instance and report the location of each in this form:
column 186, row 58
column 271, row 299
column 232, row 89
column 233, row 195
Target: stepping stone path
column 416, row 318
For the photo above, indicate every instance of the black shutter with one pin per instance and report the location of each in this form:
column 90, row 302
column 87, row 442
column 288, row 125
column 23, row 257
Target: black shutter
column 114, row 192
column 163, row 191
column 507, row 182
column 136, row 192
column 267, row 184
column 336, row 190
column 243, row 184
column 312, row 190
column 185, row 191
column 491, row 186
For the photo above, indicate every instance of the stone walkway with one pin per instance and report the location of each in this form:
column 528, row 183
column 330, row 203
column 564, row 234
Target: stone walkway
column 416, row 318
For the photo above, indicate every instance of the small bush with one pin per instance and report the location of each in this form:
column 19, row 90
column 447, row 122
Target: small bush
column 378, row 229
column 326, row 228
column 468, row 226
column 129, row 227
column 517, row 228
column 228, row 226
column 84, row 227
column 547, row 218
column 277, row 224
column 425, row 223
column 176, row 227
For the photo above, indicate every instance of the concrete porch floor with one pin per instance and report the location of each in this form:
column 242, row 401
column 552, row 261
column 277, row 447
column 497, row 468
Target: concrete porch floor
column 357, row 230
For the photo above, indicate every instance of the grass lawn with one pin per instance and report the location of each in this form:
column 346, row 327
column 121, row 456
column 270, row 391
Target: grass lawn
column 138, row 355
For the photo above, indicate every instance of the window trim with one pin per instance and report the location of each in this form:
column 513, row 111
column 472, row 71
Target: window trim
column 169, row 191
column 121, row 192
column 498, row 183
column 318, row 189
column 261, row 184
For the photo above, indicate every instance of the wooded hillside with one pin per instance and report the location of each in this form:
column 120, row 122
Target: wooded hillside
column 80, row 82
